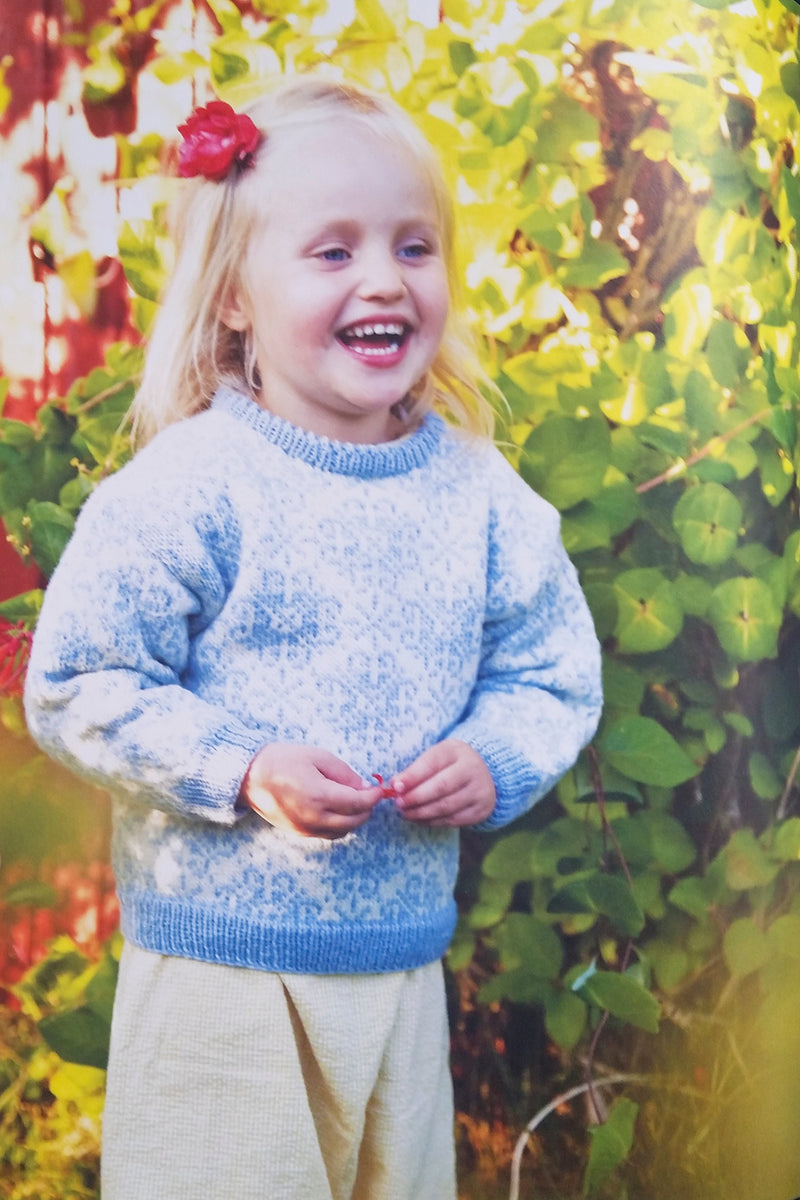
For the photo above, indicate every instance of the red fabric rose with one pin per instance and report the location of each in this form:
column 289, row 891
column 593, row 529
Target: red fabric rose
column 216, row 137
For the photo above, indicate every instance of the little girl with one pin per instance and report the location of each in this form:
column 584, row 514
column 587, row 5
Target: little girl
column 310, row 631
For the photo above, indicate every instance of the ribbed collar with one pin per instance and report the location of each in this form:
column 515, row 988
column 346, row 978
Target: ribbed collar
column 340, row 458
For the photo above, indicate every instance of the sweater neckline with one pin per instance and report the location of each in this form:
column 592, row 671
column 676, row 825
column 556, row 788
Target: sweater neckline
column 342, row 458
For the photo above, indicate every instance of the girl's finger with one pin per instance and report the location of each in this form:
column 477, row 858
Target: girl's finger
column 440, row 803
column 433, row 789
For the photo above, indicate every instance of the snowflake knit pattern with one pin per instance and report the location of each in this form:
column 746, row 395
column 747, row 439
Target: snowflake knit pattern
column 243, row 581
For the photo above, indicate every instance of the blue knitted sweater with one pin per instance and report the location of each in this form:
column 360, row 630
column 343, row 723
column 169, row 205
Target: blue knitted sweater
column 243, row 581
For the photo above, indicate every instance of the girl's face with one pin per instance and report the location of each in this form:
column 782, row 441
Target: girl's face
column 344, row 286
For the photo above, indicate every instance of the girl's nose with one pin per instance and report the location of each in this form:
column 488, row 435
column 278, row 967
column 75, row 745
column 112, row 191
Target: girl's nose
column 382, row 277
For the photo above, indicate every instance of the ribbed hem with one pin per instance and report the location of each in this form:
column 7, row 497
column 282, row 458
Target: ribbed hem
column 169, row 926
column 516, row 783
column 366, row 461
column 213, row 790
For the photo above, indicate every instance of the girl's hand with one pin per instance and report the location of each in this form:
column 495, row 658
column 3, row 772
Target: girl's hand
column 307, row 791
column 448, row 785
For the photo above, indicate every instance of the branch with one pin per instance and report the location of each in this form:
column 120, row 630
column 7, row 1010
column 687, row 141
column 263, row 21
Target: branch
column 563, row 1098
column 783, row 806
column 718, row 440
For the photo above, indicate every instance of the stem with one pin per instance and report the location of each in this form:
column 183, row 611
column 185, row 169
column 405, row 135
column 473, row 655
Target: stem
column 718, row 440
column 783, row 805
column 535, row 1121
column 600, row 797
column 114, row 388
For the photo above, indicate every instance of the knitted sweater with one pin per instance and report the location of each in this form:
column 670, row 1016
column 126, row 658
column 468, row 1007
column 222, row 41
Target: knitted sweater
column 243, row 581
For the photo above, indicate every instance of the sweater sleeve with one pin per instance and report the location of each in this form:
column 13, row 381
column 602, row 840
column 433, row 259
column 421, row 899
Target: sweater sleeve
column 538, row 695
column 105, row 690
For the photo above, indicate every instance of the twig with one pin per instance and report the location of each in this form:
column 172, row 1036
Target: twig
column 112, row 390
column 535, row 1121
column 783, row 805
column 718, row 440
column 600, row 797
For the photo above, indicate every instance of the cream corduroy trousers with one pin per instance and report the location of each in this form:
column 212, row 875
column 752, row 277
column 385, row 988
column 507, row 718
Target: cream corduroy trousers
column 231, row 1084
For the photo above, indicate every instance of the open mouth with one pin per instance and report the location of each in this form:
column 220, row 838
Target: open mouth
column 376, row 340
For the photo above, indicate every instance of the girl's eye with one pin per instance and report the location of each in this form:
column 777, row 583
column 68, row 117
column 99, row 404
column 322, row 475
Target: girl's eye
column 333, row 254
column 414, row 250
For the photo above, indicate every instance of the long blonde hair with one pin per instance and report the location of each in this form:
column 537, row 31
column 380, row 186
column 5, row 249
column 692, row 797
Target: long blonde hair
column 191, row 351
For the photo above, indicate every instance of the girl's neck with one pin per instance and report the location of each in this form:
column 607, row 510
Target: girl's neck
column 387, row 426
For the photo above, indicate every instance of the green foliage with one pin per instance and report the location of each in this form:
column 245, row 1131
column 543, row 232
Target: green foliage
column 52, row 1077
column 628, row 196
column 48, row 470
column 611, row 1143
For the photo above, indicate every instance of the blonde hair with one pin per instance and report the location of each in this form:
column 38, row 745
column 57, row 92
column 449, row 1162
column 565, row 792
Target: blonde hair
column 192, row 352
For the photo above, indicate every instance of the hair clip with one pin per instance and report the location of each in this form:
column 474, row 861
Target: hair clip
column 215, row 138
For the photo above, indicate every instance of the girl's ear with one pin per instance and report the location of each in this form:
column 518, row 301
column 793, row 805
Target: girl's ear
column 233, row 312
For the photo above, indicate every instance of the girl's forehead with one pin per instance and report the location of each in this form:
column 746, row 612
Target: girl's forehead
column 343, row 163
column 348, row 140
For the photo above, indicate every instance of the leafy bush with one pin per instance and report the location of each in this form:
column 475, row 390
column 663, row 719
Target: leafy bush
column 628, row 195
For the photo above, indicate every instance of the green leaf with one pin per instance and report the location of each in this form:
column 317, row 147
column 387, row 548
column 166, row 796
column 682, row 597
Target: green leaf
column 104, row 77
column 461, row 55
column 697, row 895
column 565, row 459
column 599, row 262
column 611, row 1144
column 738, row 721
column 707, row 519
column 227, row 13
column 746, row 619
column 786, row 842
column 495, row 97
column 78, row 1035
column 511, row 857
column 670, row 962
column 523, row 940
column 101, row 989
column 777, row 471
column 376, row 19
column 599, row 893
column 783, row 936
column 689, row 313
column 746, row 862
column 25, row 607
column 521, row 986
column 764, row 779
column 633, row 835
column 461, row 948
column 728, row 354
column 649, row 615
column 565, row 1019
column 705, row 721
column 641, row 748
column 623, row 685
column 16, row 434
column 33, row 892
column 745, row 947
column 673, row 848
column 624, row 997
column 141, row 259
column 50, row 529
column 494, row 897
column 567, row 125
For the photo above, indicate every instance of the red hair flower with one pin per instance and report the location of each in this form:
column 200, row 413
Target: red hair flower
column 214, row 138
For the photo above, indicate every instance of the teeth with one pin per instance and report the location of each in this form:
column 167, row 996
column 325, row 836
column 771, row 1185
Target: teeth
column 394, row 329
column 378, row 351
